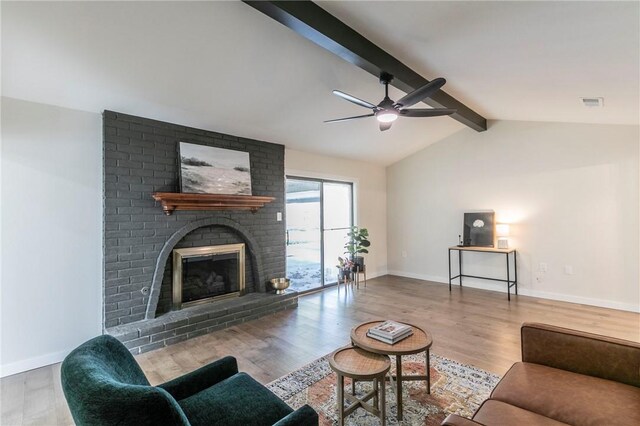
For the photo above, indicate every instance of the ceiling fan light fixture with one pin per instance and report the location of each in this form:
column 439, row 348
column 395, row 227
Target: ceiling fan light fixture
column 387, row 116
column 388, row 111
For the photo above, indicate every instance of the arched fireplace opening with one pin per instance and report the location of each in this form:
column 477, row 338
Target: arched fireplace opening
column 208, row 236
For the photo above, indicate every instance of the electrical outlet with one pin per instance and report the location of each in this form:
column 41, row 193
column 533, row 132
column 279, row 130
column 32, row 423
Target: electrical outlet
column 279, row 216
column 542, row 267
column 404, row 253
column 568, row 269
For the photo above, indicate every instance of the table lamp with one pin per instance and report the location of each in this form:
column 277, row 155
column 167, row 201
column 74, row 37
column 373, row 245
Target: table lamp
column 502, row 231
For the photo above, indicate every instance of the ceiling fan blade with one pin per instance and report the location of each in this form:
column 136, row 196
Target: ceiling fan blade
column 421, row 93
column 385, row 126
column 427, row 112
column 354, row 100
column 348, row 118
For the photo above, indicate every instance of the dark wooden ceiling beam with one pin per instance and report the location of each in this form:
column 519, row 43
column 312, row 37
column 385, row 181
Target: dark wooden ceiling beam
column 317, row 25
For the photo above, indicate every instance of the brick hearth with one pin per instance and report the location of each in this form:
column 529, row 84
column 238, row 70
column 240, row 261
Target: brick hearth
column 176, row 326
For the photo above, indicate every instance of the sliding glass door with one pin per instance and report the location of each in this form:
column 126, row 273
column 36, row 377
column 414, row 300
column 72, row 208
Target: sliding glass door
column 304, row 237
column 319, row 216
column 337, row 214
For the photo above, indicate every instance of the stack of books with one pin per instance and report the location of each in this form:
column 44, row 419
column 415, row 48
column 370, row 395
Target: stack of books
column 390, row 332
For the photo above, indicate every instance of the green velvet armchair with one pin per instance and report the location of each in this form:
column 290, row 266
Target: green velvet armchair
column 104, row 385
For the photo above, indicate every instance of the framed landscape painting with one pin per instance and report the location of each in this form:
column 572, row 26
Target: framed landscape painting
column 208, row 170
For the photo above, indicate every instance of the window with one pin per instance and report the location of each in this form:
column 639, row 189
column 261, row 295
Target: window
column 319, row 216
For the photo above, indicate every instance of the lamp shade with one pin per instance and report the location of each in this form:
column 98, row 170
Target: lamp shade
column 502, row 229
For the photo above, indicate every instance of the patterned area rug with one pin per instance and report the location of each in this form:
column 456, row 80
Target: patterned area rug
column 455, row 388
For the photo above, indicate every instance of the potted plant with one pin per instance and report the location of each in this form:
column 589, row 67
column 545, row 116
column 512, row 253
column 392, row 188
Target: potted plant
column 356, row 246
column 344, row 268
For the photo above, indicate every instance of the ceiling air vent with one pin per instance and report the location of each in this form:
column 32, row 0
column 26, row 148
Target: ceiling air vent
column 593, row 102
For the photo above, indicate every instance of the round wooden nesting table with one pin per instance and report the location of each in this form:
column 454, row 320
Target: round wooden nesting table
column 419, row 341
column 358, row 364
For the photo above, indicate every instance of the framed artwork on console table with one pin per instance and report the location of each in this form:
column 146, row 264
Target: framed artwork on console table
column 479, row 229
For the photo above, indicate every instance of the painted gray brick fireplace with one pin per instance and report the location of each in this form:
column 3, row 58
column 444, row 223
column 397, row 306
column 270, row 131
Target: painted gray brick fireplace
column 140, row 158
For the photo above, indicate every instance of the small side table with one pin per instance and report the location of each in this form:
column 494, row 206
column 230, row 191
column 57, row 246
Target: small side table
column 419, row 341
column 358, row 364
column 347, row 281
column 359, row 271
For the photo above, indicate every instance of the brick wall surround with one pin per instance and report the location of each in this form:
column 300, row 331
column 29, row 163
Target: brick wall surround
column 140, row 157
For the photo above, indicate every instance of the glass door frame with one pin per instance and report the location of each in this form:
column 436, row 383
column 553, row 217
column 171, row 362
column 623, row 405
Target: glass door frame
column 322, row 181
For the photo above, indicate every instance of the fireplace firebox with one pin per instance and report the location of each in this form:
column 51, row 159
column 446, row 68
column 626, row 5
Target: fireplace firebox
column 204, row 274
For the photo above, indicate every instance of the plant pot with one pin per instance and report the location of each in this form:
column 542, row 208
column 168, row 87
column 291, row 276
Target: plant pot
column 359, row 263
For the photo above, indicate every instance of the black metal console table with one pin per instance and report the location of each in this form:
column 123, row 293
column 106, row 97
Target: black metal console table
column 506, row 252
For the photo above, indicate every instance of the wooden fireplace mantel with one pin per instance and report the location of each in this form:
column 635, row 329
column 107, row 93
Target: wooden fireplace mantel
column 172, row 201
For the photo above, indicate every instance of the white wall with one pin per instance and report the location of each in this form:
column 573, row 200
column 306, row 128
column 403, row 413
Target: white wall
column 570, row 192
column 370, row 195
column 51, row 233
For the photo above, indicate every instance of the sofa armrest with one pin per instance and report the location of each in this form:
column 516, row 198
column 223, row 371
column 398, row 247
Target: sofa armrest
column 583, row 353
column 303, row 416
column 455, row 420
column 202, row 378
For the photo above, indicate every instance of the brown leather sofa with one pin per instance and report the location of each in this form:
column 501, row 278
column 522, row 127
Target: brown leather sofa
column 565, row 377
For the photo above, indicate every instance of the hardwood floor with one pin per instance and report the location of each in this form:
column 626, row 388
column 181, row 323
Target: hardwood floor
column 471, row 326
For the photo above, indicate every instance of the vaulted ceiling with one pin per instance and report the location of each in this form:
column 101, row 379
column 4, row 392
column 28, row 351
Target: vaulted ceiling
column 225, row 66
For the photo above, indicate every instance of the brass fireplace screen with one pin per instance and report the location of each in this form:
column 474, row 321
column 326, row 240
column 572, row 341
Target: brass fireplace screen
column 204, row 274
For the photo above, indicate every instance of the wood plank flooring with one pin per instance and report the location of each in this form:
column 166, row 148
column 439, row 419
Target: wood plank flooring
column 468, row 325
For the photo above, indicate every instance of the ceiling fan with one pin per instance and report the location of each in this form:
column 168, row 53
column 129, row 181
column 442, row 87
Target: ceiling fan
column 387, row 111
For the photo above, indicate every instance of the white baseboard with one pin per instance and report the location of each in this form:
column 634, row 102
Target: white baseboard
column 376, row 274
column 32, row 363
column 581, row 300
column 525, row 292
column 424, row 277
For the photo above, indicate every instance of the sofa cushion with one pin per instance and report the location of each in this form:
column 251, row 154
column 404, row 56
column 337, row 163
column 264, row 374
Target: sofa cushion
column 496, row 413
column 569, row 397
column 238, row 400
column 580, row 352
